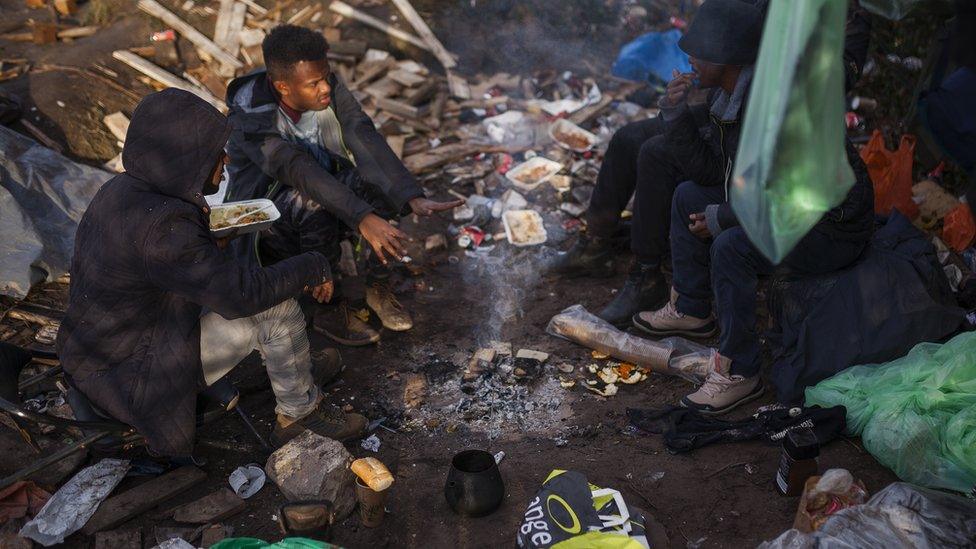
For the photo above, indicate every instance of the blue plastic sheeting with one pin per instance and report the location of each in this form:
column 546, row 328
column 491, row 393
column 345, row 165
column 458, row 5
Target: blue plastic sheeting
column 651, row 57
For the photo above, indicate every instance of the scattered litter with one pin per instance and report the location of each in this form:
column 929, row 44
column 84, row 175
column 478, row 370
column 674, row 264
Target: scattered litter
column 75, row 502
column 247, row 480
column 499, row 457
column 371, row 443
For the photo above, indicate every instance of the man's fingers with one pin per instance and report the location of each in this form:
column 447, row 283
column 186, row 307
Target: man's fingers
column 378, row 248
column 675, row 73
column 443, row 206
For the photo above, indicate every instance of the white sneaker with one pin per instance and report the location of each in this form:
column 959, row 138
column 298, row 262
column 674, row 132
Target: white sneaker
column 668, row 321
column 723, row 391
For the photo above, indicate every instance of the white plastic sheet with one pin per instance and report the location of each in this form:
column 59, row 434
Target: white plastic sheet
column 75, row 502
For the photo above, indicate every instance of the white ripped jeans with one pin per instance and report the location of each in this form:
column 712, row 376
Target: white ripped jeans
column 279, row 335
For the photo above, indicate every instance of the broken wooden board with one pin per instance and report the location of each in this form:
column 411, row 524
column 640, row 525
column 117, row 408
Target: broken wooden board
column 119, row 539
column 119, row 509
column 419, row 25
column 406, row 78
column 118, row 124
column 385, row 87
column 157, row 10
column 396, row 143
column 371, row 71
column 228, row 32
column 346, row 10
column 45, row 33
column 586, row 114
column 421, row 94
column 400, row 108
column 444, row 154
column 166, row 78
column 42, row 137
column 459, row 86
column 211, row 508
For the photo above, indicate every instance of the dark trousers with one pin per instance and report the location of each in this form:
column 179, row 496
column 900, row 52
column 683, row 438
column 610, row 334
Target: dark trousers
column 728, row 267
column 636, row 164
column 306, row 226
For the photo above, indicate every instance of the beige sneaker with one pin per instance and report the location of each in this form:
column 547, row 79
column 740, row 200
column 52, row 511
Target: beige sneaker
column 326, row 420
column 381, row 300
column 345, row 325
column 722, row 391
column 668, row 321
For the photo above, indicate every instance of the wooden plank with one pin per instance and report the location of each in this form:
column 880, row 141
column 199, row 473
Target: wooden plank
column 255, row 8
column 421, row 94
column 211, row 508
column 346, row 10
column 119, row 539
column 118, row 124
column 157, row 10
column 372, row 72
column 41, row 136
column 78, row 32
column 399, row 107
column 586, row 114
column 407, row 78
column 383, row 88
column 224, row 13
column 167, row 78
column 119, row 509
column 396, row 142
column 419, row 25
column 459, row 86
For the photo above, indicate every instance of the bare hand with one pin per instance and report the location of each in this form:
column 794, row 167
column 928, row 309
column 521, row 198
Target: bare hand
column 323, row 292
column 699, row 227
column 679, row 87
column 424, row 207
column 385, row 239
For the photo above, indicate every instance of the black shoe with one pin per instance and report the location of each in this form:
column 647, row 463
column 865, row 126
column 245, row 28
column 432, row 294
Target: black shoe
column 645, row 290
column 326, row 366
column 344, row 325
column 326, row 420
column 590, row 256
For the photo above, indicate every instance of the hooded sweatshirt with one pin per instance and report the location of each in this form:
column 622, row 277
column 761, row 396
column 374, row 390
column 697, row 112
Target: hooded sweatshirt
column 144, row 266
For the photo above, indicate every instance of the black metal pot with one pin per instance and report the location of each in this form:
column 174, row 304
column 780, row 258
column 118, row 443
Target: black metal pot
column 474, row 485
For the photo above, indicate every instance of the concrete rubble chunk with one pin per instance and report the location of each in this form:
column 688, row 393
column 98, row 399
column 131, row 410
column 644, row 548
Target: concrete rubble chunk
column 311, row 466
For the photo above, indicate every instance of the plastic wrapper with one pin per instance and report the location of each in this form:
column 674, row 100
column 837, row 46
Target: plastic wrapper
column 890, row 9
column 916, row 414
column 827, row 495
column 75, row 502
column 672, row 356
column 901, row 515
column 42, row 198
column 791, row 166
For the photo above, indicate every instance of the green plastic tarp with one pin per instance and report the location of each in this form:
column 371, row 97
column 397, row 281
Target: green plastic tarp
column 791, row 165
column 917, row 414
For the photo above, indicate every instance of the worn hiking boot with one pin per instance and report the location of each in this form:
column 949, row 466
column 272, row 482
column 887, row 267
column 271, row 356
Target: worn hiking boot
column 345, row 325
column 326, row 366
column 380, row 298
column 723, row 391
column 644, row 290
column 590, row 256
column 669, row 321
column 326, row 420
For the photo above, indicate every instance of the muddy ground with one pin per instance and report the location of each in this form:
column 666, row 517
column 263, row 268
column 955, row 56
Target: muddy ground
column 720, row 496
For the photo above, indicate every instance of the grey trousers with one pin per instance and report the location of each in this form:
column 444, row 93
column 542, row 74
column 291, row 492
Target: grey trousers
column 279, row 335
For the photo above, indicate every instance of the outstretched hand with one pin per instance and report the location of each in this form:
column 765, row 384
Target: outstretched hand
column 424, row 207
column 385, row 239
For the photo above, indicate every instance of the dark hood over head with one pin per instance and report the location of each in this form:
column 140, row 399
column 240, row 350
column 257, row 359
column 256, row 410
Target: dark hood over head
column 173, row 142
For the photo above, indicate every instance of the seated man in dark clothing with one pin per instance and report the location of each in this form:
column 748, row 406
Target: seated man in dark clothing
column 637, row 162
column 146, row 267
column 711, row 255
column 301, row 139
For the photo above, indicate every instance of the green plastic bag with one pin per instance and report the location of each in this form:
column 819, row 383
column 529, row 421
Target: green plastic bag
column 917, row 414
column 791, row 165
column 890, row 9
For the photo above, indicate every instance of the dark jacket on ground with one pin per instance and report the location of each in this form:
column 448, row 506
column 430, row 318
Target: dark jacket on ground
column 144, row 266
column 260, row 156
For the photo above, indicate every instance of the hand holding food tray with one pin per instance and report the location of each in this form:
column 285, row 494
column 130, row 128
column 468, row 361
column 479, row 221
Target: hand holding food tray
column 237, row 218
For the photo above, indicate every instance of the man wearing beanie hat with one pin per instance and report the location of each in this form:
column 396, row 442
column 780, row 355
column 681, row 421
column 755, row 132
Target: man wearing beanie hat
column 711, row 254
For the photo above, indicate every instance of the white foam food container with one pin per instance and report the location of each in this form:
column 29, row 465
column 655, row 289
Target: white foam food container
column 524, row 227
column 563, row 126
column 263, row 204
column 551, row 168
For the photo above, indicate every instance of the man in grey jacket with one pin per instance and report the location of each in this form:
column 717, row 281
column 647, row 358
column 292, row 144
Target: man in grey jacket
column 301, row 139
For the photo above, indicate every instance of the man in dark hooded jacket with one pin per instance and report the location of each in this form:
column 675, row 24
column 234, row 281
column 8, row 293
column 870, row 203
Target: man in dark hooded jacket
column 146, row 266
column 712, row 258
column 301, row 139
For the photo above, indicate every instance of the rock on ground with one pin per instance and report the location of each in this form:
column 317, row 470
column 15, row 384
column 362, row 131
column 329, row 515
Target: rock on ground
column 311, row 466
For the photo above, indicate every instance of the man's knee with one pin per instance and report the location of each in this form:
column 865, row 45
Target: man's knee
column 688, row 199
column 626, row 141
column 730, row 247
